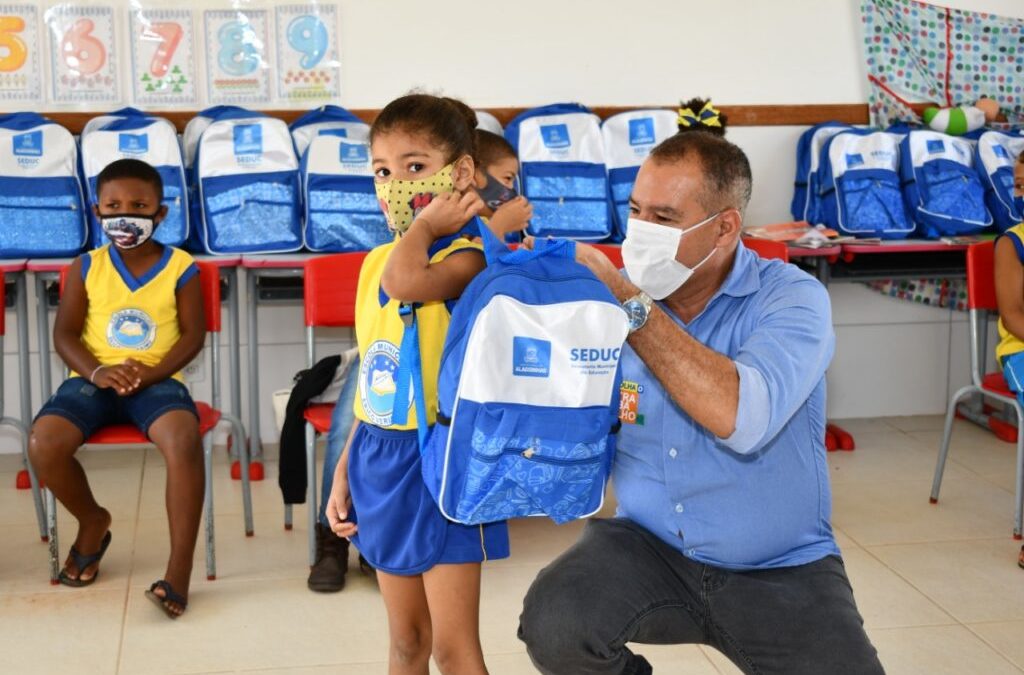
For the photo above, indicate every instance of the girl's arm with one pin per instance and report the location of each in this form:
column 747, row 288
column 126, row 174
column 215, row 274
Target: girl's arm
column 191, row 325
column 1010, row 286
column 409, row 275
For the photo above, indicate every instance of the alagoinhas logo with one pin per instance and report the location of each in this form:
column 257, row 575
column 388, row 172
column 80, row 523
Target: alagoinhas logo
column 28, row 148
column 531, row 357
column 248, row 143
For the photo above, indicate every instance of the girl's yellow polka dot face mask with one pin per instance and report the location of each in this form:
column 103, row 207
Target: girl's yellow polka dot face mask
column 402, row 200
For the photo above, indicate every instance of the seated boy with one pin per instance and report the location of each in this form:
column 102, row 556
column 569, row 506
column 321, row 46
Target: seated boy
column 496, row 169
column 1009, row 270
column 130, row 318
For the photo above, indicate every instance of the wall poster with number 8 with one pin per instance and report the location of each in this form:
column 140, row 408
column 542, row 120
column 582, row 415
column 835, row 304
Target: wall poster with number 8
column 308, row 69
column 83, row 54
column 237, row 68
column 20, row 80
column 163, row 57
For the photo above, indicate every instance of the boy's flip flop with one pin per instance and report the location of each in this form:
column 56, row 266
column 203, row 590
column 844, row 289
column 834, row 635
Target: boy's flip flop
column 83, row 562
column 170, row 595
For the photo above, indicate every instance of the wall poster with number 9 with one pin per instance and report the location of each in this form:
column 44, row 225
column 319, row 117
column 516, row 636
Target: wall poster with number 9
column 308, row 69
column 83, row 54
column 20, row 80
column 237, row 70
column 163, row 57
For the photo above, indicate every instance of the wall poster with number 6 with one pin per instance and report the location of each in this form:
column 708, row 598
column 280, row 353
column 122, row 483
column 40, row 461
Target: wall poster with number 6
column 83, row 54
column 237, row 66
column 20, row 80
column 163, row 57
column 308, row 69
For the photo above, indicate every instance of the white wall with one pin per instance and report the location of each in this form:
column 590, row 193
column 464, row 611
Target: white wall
column 893, row 357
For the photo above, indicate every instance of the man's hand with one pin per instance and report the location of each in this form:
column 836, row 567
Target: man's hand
column 512, row 216
column 448, row 212
column 338, row 506
column 122, row 378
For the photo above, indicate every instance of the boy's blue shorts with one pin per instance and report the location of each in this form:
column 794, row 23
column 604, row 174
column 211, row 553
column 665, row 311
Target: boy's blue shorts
column 90, row 408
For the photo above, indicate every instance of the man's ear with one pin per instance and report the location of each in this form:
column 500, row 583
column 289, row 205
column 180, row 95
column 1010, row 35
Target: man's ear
column 160, row 215
column 463, row 173
column 730, row 226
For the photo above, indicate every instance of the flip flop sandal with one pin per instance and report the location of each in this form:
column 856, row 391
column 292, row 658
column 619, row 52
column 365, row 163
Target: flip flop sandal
column 83, row 562
column 170, row 595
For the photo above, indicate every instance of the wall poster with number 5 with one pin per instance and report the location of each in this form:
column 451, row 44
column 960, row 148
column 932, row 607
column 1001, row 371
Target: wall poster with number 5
column 307, row 53
column 83, row 54
column 163, row 57
column 20, row 80
column 237, row 66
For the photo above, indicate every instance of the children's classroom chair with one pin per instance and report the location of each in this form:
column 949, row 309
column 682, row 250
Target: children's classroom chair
column 209, row 418
column 329, row 300
column 981, row 303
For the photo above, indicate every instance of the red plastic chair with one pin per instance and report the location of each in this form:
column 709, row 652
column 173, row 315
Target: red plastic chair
column 329, row 301
column 209, row 418
column 981, row 302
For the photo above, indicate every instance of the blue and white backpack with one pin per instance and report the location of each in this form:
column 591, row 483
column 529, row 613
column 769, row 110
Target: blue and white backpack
column 940, row 185
column 860, row 185
column 994, row 158
column 806, row 192
column 248, row 178
column 562, row 171
column 41, row 206
column 130, row 134
column 527, row 392
column 628, row 138
column 328, row 120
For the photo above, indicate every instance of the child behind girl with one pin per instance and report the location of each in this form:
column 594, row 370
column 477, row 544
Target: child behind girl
column 497, row 167
column 428, row 567
column 1009, row 270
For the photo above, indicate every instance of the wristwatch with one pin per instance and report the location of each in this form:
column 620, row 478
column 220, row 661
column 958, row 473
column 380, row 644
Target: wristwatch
column 637, row 309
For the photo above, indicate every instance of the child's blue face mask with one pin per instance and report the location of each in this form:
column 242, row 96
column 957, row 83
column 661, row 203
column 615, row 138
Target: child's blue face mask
column 494, row 194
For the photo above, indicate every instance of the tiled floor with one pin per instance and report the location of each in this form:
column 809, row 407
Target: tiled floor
column 938, row 586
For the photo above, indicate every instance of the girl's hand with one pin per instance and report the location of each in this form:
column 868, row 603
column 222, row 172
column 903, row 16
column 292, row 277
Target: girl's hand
column 144, row 373
column 448, row 212
column 512, row 216
column 122, row 378
column 338, row 506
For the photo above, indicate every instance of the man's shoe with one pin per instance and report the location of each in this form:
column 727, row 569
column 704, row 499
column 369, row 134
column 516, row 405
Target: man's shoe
column 328, row 572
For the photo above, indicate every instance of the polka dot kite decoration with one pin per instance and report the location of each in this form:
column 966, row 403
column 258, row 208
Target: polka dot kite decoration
column 917, row 52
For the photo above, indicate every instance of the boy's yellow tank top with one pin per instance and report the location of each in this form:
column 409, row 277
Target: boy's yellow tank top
column 129, row 317
column 379, row 331
column 1008, row 342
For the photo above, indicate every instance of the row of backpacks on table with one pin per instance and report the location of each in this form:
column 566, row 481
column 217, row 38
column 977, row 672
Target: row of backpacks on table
column 904, row 181
column 239, row 181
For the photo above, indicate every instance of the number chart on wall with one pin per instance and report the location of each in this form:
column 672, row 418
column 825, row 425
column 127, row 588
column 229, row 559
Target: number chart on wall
column 237, row 63
column 307, row 53
column 20, row 71
column 83, row 54
column 163, row 71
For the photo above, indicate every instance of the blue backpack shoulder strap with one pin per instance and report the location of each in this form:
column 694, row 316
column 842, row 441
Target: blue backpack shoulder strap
column 410, row 373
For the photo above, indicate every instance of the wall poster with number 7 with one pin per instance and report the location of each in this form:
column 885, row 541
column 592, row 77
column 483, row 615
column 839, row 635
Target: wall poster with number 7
column 163, row 57
column 308, row 69
column 237, row 65
column 20, row 71
column 83, row 54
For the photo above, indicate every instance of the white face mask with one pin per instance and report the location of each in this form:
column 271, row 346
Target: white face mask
column 649, row 255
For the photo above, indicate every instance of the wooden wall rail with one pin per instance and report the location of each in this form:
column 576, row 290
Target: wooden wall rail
column 739, row 115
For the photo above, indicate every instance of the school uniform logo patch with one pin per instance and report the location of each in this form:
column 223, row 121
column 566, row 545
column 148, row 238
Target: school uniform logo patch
column 131, row 329
column 377, row 382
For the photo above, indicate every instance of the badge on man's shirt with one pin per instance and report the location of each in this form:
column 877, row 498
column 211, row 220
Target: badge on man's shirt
column 629, row 402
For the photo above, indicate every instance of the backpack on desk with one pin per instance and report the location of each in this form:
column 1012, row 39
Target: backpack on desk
column 131, row 134
column 859, row 186
column 940, row 185
column 807, row 186
column 328, row 120
column 528, row 389
column 562, row 171
column 41, row 205
column 994, row 159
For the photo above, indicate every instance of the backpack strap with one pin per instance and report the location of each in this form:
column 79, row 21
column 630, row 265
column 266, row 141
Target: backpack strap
column 410, row 373
column 495, row 250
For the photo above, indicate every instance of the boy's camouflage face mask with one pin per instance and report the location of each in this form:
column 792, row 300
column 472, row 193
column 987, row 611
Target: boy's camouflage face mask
column 402, row 200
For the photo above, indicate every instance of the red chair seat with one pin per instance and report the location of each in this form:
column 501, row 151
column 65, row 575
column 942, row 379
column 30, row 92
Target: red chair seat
column 996, row 383
column 320, row 416
column 127, row 434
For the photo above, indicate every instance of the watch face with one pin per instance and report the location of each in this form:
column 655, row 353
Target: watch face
column 637, row 313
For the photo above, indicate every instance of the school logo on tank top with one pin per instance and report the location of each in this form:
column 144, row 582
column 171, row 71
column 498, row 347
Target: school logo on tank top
column 131, row 329
column 377, row 382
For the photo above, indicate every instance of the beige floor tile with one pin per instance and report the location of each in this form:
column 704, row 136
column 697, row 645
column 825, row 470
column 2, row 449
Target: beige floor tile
column 722, row 664
column 887, row 456
column 48, row 633
column 676, row 658
column 974, row 581
column 246, row 626
column 860, row 425
column 884, row 599
column 937, row 650
column 380, row 667
column 874, row 513
column 501, row 602
column 913, row 423
column 974, row 448
column 1006, row 637
column 538, row 541
column 843, row 540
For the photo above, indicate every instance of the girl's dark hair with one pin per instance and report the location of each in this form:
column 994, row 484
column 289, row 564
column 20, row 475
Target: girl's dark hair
column 491, row 148
column 130, row 168
column 448, row 122
column 696, row 105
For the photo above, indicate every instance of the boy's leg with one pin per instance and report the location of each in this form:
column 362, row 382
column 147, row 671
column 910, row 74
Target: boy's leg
column 408, row 624
column 453, row 595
